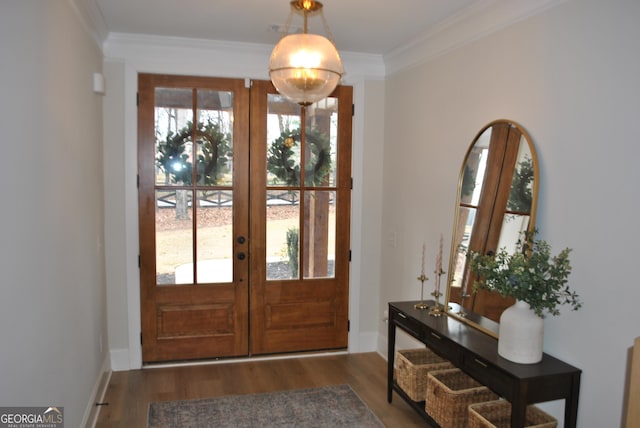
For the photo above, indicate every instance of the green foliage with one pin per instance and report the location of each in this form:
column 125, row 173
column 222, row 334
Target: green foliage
column 293, row 235
column 172, row 158
column 520, row 196
column 215, row 153
column 468, row 181
column 531, row 275
column 283, row 159
column 212, row 157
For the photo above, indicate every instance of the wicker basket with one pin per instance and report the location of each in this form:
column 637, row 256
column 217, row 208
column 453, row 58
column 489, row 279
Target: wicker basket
column 497, row 414
column 412, row 367
column 449, row 394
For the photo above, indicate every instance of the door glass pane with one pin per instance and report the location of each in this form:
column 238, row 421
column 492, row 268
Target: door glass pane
column 283, row 224
column 174, row 233
column 521, row 193
column 319, row 234
column 513, row 228
column 177, row 127
column 174, row 136
column 466, row 219
column 214, row 237
column 283, row 139
column 214, row 138
column 474, row 172
column 320, row 143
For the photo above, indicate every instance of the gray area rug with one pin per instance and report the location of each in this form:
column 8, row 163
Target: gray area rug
column 329, row 406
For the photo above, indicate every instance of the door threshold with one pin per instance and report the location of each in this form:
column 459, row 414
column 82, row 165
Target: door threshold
column 230, row 360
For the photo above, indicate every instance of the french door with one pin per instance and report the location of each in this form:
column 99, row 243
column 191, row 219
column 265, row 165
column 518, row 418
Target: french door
column 308, row 169
column 243, row 218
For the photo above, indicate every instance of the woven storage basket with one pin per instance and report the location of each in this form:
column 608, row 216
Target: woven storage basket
column 449, row 394
column 412, row 367
column 497, row 414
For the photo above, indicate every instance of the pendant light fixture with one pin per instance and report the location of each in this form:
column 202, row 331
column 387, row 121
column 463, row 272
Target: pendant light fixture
column 305, row 68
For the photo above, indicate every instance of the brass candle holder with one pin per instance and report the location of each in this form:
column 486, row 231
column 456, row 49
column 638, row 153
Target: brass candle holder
column 437, row 310
column 422, row 305
column 461, row 312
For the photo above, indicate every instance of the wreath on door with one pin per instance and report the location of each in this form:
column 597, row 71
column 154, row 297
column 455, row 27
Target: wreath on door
column 212, row 159
column 283, row 160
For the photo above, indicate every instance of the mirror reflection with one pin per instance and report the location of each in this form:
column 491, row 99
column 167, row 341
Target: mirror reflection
column 496, row 203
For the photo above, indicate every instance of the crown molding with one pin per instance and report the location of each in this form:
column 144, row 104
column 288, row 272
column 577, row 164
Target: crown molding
column 472, row 23
column 157, row 53
column 116, row 43
column 91, row 19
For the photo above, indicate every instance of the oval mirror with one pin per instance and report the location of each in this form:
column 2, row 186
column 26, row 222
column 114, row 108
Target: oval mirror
column 496, row 203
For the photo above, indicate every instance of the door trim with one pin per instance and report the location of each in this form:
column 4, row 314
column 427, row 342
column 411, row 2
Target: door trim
column 122, row 113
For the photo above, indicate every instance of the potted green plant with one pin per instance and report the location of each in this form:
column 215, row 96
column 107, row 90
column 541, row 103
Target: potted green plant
column 538, row 282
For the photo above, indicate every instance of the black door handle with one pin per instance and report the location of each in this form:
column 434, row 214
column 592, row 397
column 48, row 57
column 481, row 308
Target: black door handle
column 241, row 256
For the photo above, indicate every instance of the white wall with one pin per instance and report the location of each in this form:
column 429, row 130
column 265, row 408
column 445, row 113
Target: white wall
column 570, row 77
column 52, row 310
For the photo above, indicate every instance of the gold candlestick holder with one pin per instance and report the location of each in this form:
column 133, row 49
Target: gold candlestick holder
column 461, row 312
column 422, row 305
column 437, row 310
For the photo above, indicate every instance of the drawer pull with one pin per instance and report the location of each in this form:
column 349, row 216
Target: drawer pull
column 401, row 315
column 482, row 363
column 436, row 336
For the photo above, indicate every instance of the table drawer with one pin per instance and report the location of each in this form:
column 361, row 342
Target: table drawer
column 487, row 374
column 408, row 324
column 442, row 346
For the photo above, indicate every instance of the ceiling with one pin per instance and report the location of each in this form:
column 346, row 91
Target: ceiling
column 356, row 25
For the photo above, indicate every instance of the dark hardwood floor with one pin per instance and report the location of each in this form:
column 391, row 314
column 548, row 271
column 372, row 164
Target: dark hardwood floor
column 129, row 393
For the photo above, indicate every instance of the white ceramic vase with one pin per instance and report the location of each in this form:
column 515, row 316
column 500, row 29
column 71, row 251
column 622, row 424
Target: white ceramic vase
column 521, row 334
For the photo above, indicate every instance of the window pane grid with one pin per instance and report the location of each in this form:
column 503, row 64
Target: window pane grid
column 194, row 157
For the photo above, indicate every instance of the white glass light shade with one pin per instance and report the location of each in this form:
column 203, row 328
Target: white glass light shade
column 305, row 68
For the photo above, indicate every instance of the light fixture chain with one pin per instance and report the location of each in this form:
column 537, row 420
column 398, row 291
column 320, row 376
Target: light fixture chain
column 326, row 28
column 305, row 26
column 287, row 24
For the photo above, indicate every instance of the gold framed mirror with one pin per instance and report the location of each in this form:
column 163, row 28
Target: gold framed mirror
column 496, row 203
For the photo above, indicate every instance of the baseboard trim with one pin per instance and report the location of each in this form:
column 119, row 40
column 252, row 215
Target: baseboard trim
column 382, row 346
column 97, row 395
column 234, row 360
column 120, row 360
column 367, row 342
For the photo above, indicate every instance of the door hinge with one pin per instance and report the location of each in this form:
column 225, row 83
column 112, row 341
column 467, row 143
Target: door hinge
column 353, row 109
column 138, row 261
column 348, row 325
column 349, row 255
column 351, row 183
column 138, row 181
column 137, row 99
column 140, row 338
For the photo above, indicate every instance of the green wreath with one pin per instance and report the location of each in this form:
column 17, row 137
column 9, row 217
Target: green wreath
column 212, row 159
column 282, row 162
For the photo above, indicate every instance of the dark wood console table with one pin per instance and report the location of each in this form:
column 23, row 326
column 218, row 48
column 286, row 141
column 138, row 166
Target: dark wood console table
column 476, row 353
